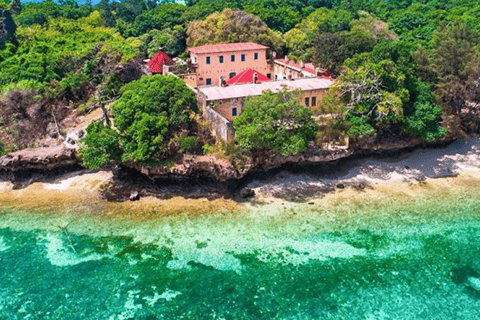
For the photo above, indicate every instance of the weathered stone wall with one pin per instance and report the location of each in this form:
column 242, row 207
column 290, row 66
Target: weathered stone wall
column 221, row 126
column 201, row 101
column 225, row 107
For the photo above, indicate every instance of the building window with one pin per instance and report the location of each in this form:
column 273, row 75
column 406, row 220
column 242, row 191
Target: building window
column 307, row 101
column 207, row 60
column 220, row 59
column 269, row 75
column 232, row 58
column 314, row 101
column 243, row 57
column 209, row 81
column 255, row 55
column 234, row 112
column 231, row 75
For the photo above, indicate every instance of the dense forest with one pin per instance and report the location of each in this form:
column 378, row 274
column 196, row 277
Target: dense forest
column 404, row 68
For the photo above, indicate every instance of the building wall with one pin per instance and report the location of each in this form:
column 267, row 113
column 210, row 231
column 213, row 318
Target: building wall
column 225, row 106
column 190, row 79
column 201, row 101
column 282, row 72
column 216, row 69
column 318, row 94
column 221, row 127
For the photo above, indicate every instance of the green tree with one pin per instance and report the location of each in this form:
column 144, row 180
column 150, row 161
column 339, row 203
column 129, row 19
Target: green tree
column 331, row 49
column 232, row 26
column 280, row 15
column 172, row 41
column 166, row 15
column 100, row 147
column 374, row 96
column 148, row 114
column 451, row 65
column 16, row 6
column 275, row 121
column 300, row 40
column 7, row 27
column 60, row 49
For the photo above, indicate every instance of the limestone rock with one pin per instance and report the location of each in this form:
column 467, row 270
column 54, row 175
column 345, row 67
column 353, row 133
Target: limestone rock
column 247, row 193
column 134, row 196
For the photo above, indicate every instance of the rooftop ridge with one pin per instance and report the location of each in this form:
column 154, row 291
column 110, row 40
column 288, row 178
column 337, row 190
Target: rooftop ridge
column 227, row 47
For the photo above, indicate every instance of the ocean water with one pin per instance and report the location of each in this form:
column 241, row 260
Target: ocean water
column 377, row 256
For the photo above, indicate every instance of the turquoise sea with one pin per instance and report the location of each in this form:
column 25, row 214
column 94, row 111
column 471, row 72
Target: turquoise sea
column 402, row 256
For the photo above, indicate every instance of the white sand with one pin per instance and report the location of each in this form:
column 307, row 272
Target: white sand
column 5, row 186
column 61, row 185
column 458, row 157
column 81, row 181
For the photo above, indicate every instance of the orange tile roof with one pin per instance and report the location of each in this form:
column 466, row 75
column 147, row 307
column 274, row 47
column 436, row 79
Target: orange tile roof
column 228, row 47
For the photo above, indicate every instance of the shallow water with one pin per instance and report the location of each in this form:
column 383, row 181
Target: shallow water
column 375, row 257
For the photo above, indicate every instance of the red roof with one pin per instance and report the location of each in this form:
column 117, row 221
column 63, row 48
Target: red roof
column 157, row 62
column 246, row 76
column 309, row 67
column 228, row 47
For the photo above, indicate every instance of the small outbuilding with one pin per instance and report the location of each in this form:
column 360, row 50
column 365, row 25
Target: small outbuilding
column 158, row 61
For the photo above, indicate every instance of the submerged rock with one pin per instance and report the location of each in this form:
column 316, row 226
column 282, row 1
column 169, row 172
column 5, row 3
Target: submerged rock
column 474, row 283
column 247, row 193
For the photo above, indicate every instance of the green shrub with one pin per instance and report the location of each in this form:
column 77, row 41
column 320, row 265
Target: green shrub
column 188, row 143
column 208, row 149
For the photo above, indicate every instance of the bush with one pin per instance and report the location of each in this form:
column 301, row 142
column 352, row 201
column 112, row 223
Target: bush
column 275, row 121
column 100, row 147
column 208, row 149
column 150, row 112
column 188, row 144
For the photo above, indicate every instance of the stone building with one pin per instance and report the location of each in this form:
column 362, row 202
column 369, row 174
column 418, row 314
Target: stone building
column 224, row 75
column 210, row 62
column 228, row 101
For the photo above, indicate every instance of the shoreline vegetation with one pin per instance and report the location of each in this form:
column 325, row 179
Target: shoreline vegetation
column 404, row 71
column 431, row 172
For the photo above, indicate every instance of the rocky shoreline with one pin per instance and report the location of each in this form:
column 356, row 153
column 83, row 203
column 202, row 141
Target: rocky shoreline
column 203, row 176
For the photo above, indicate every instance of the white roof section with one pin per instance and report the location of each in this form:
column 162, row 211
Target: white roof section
column 251, row 89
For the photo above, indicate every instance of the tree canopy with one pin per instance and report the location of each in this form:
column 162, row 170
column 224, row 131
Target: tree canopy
column 275, row 121
column 417, row 62
column 148, row 114
column 232, row 26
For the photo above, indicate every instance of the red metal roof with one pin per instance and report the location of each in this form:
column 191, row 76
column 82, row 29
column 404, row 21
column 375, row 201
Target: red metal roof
column 227, row 47
column 157, row 62
column 246, row 76
column 309, row 67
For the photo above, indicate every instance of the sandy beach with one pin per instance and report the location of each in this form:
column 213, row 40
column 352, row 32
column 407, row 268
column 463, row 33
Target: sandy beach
column 356, row 179
column 460, row 157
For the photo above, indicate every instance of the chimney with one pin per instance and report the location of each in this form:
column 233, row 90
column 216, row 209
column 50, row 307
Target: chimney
column 302, row 65
column 319, row 72
column 274, row 55
column 286, row 60
column 220, row 81
column 255, row 77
